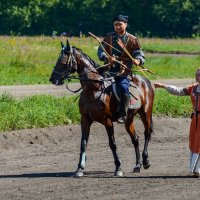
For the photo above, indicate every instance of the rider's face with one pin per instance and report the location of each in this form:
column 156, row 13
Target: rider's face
column 120, row 27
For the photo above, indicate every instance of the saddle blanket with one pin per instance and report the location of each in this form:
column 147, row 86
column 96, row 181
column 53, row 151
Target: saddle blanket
column 135, row 101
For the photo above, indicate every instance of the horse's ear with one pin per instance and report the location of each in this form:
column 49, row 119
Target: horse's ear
column 62, row 44
column 67, row 43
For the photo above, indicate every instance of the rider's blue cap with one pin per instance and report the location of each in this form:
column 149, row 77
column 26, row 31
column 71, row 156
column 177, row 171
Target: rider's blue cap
column 121, row 18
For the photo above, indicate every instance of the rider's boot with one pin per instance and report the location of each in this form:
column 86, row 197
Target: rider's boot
column 125, row 100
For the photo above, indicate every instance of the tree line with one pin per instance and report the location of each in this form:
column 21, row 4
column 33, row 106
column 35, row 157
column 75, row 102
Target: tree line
column 147, row 18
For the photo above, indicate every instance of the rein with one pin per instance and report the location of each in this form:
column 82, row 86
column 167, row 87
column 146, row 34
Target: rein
column 74, row 91
column 81, row 79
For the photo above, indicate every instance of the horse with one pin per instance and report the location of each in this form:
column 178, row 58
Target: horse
column 98, row 103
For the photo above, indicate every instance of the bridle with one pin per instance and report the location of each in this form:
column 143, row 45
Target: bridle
column 69, row 62
column 67, row 59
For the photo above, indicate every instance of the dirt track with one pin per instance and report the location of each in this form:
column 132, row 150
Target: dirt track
column 39, row 164
column 28, row 90
column 21, row 91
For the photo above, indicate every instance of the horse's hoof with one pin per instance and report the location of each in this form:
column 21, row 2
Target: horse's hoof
column 119, row 173
column 78, row 174
column 136, row 170
column 146, row 166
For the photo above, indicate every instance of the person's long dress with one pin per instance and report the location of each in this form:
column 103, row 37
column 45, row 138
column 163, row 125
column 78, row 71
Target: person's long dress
column 194, row 136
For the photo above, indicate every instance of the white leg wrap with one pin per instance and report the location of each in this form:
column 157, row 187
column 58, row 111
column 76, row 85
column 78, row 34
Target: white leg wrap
column 194, row 162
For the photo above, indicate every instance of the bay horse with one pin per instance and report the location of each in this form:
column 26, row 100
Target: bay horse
column 98, row 103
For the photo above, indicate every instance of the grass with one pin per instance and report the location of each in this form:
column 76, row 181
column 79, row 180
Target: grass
column 36, row 111
column 172, row 67
column 47, row 110
column 189, row 46
column 166, row 104
column 30, row 60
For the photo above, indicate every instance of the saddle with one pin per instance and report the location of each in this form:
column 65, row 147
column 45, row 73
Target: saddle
column 135, row 101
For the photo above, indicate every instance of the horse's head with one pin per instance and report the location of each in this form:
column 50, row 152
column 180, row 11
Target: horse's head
column 66, row 64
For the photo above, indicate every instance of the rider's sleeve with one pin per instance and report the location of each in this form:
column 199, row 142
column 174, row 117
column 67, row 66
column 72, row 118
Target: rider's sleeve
column 137, row 52
column 179, row 91
column 101, row 54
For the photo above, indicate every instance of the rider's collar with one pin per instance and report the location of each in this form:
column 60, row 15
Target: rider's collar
column 123, row 36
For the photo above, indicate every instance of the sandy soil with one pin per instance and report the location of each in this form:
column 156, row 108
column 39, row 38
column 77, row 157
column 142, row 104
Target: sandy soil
column 21, row 91
column 39, row 164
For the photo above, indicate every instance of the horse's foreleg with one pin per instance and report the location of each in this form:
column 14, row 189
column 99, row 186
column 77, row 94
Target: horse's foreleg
column 85, row 128
column 110, row 131
column 135, row 141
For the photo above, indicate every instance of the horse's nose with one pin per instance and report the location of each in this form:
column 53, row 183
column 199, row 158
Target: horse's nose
column 56, row 80
column 52, row 79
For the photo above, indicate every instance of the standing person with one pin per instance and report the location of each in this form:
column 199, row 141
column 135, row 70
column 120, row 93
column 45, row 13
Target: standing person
column 194, row 137
column 110, row 44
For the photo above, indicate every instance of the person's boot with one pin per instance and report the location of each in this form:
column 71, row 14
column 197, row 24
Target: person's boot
column 125, row 100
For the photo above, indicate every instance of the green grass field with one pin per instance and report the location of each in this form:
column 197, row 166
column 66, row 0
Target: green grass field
column 37, row 111
column 47, row 110
column 189, row 46
column 30, row 60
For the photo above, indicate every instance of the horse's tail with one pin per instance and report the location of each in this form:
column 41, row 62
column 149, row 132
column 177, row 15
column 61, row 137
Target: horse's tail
column 151, row 119
column 152, row 89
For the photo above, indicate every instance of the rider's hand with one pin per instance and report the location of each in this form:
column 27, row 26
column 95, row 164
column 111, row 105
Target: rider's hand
column 110, row 60
column 136, row 62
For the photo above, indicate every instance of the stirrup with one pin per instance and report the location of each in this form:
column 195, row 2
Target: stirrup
column 122, row 119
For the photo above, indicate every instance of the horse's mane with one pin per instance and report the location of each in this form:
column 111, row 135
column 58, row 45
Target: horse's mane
column 94, row 64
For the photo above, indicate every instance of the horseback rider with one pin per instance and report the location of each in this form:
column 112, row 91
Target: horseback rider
column 114, row 44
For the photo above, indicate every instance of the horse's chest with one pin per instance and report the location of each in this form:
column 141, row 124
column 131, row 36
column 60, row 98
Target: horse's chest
column 96, row 111
column 95, row 106
column 91, row 103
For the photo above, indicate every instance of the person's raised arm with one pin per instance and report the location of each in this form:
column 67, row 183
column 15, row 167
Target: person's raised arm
column 159, row 85
column 179, row 91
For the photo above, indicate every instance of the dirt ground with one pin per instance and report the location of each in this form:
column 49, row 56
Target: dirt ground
column 20, row 91
column 39, row 164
